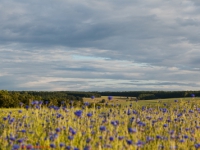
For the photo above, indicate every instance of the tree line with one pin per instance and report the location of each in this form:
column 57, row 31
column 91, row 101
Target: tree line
column 14, row 98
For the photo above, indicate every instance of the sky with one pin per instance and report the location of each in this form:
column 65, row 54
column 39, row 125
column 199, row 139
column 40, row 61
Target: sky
column 99, row 45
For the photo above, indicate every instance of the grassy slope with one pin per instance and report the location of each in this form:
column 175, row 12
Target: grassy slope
column 125, row 101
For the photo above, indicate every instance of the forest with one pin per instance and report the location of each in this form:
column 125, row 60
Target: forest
column 11, row 99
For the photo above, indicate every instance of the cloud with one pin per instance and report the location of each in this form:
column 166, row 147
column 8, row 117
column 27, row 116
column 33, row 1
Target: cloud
column 46, row 44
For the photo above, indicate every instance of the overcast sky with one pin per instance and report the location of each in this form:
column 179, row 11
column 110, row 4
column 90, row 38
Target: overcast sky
column 99, row 45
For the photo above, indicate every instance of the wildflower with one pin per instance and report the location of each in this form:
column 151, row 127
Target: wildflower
column 192, row 95
column 87, row 148
column 140, row 143
column 34, row 102
column 92, row 97
column 57, row 129
column 20, row 140
column 131, row 130
column 16, row 147
column 110, row 97
column 102, row 128
column 52, row 145
column 86, row 103
column 78, row 113
column 62, row 144
column 89, row 114
column 165, row 125
column 26, row 107
column 23, row 131
column 129, row 112
column 182, row 141
column 111, row 138
column 115, row 122
column 129, row 142
column 72, row 131
column 158, row 137
column 88, row 140
column 68, row 147
column 148, row 139
column 197, row 145
column 70, row 137
column 185, row 136
column 120, row 138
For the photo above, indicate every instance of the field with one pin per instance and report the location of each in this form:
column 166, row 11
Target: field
column 126, row 101
column 149, row 125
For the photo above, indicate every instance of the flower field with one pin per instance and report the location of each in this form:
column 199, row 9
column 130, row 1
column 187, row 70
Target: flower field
column 166, row 126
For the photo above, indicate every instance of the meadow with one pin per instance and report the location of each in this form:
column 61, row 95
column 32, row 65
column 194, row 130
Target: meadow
column 120, row 123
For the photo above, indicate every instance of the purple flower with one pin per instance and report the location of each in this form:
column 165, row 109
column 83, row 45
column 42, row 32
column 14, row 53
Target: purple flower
column 52, row 145
column 70, row 137
column 120, row 137
column 15, row 147
column 27, row 107
column 20, row 140
column 102, row 128
column 88, row 140
column 35, row 102
column 140, row 143
column 110, row 97
column 111, row 138
column 86, row 103
column 72, row 131
column 92, row 97
column 62, row 144
column 68, row 147
column 57, row 129
column 115, row 122
column 131, row 130
column 87, row 148
column 129, row 142
column 192, row 95
column 197, row 145
column 165, row 125
column 23, row 131
column 89, row 114
column 78, row 113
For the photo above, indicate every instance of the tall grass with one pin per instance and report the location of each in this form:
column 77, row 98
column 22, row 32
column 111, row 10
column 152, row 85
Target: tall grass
column 174, row 125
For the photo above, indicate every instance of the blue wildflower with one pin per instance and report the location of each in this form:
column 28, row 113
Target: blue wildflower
column 89, row 114
column 78, row 113
column 111, row 138
column 102, row 128
column 131, row 130
column 129, row 142
column 52, row 145
column 110, row 97
column 70, row 137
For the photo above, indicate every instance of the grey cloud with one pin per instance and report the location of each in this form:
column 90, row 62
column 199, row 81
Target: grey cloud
column 39, row 38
